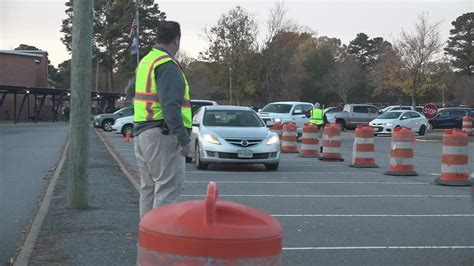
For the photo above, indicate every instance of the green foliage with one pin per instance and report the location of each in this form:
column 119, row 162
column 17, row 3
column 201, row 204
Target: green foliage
column 461, row 43
column 112, row 23
column 366, row 50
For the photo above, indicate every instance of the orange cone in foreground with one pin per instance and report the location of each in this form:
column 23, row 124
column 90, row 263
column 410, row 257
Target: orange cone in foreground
column 401, row 153
column 455, row 159
column 363, row 155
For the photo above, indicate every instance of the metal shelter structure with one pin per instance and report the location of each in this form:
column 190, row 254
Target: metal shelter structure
column 57, row 96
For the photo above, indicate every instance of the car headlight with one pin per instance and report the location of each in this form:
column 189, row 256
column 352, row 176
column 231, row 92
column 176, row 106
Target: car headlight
column 273, row 140
column 389, row 124
column 277, row 120
column 211, row 139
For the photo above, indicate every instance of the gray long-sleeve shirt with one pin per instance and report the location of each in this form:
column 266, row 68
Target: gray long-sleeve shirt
column 170, row 83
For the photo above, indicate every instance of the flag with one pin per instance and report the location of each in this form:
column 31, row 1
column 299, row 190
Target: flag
column 134, row 35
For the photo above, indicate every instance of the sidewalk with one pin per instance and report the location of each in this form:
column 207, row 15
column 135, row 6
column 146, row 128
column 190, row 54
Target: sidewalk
column 106, row 233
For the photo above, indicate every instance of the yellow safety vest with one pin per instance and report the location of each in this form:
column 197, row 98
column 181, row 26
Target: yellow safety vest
column 317, row 117
column 146, row 103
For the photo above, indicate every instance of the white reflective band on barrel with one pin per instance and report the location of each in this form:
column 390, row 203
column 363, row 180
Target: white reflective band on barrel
column 331, row 150
column 364, row 141
column 402, row 145
column 288, row 143
column 333, row 138
column 310, row 135
column 363, row 154
column 467, row 123
column 309, row 146
column 452, row 168
column 286, row 133
column 403, row 161
column 455, row 150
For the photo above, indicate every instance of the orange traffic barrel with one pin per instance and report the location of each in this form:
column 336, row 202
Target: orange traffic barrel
column 331, row 143
column 401, row 153
column 467, row 125
column 455, row 159
column 277, row 128
column 363, row 151
column 309, row 141
column 289, row 138
column 208, row 232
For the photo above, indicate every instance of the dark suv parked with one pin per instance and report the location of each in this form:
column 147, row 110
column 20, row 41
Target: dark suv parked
column 450, row 117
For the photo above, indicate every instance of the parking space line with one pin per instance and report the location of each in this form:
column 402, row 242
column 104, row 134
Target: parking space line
column 378, row 247
column 373, row 215
column 337, row 196
column 311, row 182
column 273, row 173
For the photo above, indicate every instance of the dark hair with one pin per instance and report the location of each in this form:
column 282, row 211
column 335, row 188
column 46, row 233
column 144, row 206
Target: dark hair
column 167, row 32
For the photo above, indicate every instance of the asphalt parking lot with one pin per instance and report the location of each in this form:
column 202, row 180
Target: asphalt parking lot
column 336, row 215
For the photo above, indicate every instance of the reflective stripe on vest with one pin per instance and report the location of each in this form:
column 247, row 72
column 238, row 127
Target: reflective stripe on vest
column 146, row 102
column 317, row 117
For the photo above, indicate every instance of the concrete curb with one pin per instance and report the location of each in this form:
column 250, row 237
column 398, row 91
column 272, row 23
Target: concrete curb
column 122, row 166
column 29, row 244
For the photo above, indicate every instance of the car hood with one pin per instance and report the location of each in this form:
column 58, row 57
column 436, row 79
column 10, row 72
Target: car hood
column 239, row 132
column 378, row 120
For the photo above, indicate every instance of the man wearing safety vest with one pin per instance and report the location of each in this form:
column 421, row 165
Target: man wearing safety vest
column 317, row 116
column 162, row 120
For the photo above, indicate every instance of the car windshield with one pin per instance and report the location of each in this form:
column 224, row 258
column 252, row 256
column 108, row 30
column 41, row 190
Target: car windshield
column 118, row 111
column 390, row 115
column 277, row 108
column 232, row 118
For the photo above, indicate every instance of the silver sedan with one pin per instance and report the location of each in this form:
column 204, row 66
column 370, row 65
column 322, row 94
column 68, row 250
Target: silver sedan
column 233, row 134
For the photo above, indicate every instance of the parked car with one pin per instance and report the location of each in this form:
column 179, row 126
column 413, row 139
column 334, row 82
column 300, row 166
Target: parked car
column 196, row 104
column 232, row 134
column 450, row 117
column 287, row 111
column 387, row 122
column 105, row 121
column 353, row 115
column 122, row 125
column 419, row 109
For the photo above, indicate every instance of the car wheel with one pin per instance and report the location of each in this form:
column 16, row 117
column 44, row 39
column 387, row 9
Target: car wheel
column 375, row 134
column 271, row 166
column 422, row 130
column 199, row 164
column 107, row 125
column 342, row 123
column 128, row 128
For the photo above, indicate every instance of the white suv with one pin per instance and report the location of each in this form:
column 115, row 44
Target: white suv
column 287, row 111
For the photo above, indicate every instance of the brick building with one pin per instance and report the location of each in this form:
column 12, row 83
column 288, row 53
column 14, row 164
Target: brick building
column 25, row 68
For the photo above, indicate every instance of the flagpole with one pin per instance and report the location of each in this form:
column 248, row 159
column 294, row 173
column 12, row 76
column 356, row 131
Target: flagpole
column 138, row 34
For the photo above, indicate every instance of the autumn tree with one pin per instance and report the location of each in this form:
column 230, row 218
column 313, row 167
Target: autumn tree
column 234, row 36
column 416, row 50
column 344, row 78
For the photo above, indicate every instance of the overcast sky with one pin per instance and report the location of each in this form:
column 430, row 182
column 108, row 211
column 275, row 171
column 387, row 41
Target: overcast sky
column 37, row 22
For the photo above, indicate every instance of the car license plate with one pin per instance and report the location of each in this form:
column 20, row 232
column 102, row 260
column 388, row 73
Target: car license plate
column 244, row 154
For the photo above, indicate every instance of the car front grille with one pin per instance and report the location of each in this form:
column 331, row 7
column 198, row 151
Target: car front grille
column 244, row 142
column 228, row 155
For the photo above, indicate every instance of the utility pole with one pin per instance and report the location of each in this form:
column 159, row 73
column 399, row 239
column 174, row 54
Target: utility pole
column 81, row 74
column 230, row 85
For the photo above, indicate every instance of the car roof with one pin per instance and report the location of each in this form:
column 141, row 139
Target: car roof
column 454, row 108
column 288, row 102
column 227, row 107
column 202, row 101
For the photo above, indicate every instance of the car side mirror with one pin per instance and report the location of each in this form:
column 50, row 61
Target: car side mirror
column 121, row 113
column 404, row 117
column 269, row 123
column 195, row 124
column 298, row 112
column 259, row 110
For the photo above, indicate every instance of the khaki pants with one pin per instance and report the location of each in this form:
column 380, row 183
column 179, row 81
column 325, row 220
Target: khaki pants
column 161, row 169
